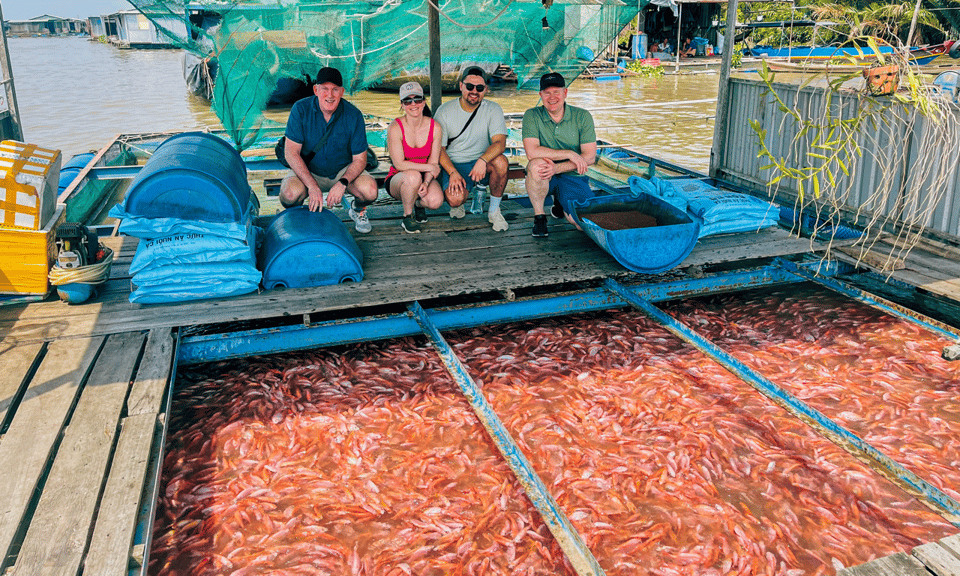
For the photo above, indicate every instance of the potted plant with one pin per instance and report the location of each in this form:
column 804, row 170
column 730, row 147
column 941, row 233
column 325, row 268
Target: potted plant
column 882, row 79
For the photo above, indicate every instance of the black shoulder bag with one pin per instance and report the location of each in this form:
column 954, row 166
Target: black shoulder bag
column 464, row 129
column 281, row 144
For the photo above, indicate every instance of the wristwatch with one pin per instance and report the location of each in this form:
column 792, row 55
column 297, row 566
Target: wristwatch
column 344, row 181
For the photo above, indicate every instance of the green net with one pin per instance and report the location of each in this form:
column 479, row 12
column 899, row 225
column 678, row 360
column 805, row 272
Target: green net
column 247, row 55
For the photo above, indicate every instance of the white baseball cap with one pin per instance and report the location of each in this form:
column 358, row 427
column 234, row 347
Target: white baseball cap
column 411, row 89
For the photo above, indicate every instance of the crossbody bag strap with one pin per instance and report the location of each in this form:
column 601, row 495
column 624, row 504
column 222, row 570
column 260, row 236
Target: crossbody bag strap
column 326, row 134
column 464, row 129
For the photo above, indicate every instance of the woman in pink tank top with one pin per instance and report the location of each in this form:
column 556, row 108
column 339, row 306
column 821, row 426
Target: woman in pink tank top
column 413, row 141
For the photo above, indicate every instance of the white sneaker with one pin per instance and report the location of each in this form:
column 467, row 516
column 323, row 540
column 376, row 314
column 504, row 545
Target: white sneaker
column 360, row 219
column 458, row 212
column 499, row 224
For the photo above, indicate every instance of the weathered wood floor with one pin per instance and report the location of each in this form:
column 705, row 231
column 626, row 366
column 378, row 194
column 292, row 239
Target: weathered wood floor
column 450, row 258
column 80, row 420
column 932, row 559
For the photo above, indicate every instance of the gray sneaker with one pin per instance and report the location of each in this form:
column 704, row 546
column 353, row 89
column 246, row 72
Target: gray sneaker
column 498, row 221
column 410, row 225
column 360, row 219
column 458, row 212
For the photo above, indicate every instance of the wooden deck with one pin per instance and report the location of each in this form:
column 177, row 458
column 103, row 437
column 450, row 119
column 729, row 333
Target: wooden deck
column 450, row 258
column 83, row 387
column 81, row 421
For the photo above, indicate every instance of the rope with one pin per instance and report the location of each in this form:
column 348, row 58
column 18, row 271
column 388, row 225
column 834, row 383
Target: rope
column 471, row 27
column 91, row 274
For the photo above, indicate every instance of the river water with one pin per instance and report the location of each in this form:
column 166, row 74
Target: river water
column 76, row 94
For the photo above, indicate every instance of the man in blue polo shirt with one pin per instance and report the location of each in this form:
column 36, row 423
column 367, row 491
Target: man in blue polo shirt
column 339, row 165
column 561, row 143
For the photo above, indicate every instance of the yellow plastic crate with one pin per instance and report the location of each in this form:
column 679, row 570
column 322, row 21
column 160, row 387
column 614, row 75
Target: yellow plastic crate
column 27, row 255
column 29, row 178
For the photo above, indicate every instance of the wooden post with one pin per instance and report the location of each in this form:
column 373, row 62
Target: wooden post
column 435, row 78
column 16, row 128
column 676, row 53
column 718, row 149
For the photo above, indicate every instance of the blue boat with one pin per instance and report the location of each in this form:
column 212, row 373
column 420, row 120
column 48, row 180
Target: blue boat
column 822, row 54
column 644, row 233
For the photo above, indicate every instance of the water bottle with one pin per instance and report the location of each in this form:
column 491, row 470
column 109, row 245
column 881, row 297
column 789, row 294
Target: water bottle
column 476, row 204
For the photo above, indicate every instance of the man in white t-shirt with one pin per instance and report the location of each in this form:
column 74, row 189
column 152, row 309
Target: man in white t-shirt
column 472, row 145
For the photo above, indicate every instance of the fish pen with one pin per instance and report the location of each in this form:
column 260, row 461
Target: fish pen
column 786, row 430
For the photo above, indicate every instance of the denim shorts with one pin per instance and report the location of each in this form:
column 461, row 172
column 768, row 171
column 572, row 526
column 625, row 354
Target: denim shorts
column 463, row 168
column 570, row 187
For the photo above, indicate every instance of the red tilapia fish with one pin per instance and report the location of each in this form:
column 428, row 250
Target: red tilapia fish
column 359, row 460
column 877, row 375
column 667, row 464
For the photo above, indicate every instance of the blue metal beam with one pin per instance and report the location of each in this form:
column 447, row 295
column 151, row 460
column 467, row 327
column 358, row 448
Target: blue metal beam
column 868, row 299
column 567, row 537
column 814, row 418
column 209, row 348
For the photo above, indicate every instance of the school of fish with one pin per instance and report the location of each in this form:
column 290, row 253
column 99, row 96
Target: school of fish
column 366, row 459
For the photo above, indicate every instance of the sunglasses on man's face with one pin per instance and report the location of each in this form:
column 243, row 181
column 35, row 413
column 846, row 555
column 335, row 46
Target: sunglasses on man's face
column 412, row 100
column 471, row 87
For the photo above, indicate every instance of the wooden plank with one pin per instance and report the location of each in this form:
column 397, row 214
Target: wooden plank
column 947, row 288
column 150, row 386
column 877, row 260
column 116, row 522
column 16, row 363
column 952, row 543
column 938, row 559
column 56, row 540
column 27, row 448
column 898, row 564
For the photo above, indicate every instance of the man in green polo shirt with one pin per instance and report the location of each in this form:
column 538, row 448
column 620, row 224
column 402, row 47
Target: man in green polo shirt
column 561, row 143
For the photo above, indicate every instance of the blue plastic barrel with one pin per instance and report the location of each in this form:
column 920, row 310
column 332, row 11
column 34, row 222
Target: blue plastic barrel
column 79, row 161
column 303, row 248
column 639, row 48
column 67, row 176
column 70, row 170
column 191, row 176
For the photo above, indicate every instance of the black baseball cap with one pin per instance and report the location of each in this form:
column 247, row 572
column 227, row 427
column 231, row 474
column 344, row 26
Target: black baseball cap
column 473, row 71
column 327, row 74
column 552, row 80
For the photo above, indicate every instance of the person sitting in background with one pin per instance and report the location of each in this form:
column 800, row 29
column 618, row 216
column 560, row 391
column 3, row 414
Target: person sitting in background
column 662, row 50
column 688, row 48
column 413, row 141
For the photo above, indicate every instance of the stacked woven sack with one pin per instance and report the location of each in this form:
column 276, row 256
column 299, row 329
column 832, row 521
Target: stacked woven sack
column 193, row 210
column 720, row 211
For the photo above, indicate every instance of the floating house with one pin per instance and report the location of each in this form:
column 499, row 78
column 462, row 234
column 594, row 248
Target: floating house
column 46, row 25
column 131, row 29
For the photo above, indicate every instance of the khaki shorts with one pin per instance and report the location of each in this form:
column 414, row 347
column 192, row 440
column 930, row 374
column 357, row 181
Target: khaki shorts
column 325, row 183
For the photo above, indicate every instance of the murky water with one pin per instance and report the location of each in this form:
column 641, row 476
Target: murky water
column 75, row 94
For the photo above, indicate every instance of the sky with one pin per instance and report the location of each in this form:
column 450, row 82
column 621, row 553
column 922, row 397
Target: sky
column 82, row 9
